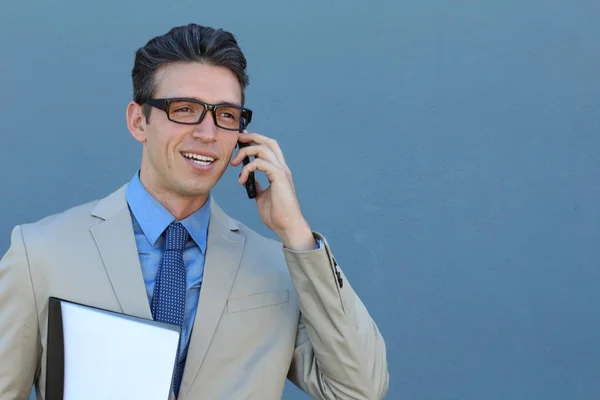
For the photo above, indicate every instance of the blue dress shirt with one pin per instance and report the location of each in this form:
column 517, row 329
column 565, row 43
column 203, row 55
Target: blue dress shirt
column 150, row 219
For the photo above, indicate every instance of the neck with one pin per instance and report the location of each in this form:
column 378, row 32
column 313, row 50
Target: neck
column 180, row 206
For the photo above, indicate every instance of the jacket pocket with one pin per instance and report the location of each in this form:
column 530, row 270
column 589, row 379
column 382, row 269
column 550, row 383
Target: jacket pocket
column 259, row 300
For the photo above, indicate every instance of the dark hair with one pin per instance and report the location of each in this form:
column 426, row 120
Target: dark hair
column 191, row 43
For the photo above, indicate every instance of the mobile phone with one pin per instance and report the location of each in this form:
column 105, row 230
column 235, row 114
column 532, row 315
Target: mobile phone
column 250, row 182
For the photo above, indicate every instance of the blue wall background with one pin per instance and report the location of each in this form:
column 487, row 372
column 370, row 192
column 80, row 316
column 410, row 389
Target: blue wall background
column 450, row 151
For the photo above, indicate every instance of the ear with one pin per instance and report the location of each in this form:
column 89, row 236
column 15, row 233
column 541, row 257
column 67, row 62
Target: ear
column 136, row 121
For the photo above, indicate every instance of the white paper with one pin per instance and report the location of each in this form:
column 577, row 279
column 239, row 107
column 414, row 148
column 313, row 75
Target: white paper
column 110, row 357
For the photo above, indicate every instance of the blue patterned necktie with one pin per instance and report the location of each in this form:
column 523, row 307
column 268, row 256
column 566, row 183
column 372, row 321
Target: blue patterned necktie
column 168, row 299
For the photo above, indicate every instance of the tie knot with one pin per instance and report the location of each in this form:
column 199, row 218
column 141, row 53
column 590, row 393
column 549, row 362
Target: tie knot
column 176, row 236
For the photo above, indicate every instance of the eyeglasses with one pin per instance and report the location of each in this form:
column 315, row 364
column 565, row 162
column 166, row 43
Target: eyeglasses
column 191, row 112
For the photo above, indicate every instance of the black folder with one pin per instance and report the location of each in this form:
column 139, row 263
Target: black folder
column 72, row 361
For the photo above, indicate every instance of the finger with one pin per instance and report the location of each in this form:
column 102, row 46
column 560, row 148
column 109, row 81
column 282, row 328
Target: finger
column 259, row 151
column 259, row 188
column 272, row 171
column 247, row 138
column 267, row 141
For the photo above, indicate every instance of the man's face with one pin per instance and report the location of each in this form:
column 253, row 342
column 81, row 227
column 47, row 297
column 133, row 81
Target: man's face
column 167, row 169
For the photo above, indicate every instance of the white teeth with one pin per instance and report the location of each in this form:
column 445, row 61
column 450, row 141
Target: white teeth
column 198, row 159
column 201, row 162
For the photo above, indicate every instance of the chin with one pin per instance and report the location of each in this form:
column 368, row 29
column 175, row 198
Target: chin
column 191, row 191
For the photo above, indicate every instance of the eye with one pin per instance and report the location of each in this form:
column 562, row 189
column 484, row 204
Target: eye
column 182, row 109
column 226, row 114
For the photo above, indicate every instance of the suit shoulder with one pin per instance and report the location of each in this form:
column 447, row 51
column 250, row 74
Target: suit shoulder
column 256, row 238
column 262, row 249
column 53, row 225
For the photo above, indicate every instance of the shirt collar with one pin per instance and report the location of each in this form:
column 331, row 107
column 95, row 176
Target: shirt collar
column 154, row 218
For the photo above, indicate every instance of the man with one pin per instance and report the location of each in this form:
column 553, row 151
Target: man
column 252, row 310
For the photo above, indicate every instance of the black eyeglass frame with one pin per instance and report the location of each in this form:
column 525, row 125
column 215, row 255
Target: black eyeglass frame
column 163, row 104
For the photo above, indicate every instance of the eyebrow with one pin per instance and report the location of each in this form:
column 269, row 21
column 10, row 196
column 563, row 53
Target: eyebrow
column 204, row 101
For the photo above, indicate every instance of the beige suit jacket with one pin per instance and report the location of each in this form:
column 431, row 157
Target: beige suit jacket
column 265, row 313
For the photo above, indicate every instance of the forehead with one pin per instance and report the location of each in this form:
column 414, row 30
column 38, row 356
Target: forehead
column 205, row 82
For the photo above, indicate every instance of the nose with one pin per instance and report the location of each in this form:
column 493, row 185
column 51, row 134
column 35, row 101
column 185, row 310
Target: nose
column 206, row 130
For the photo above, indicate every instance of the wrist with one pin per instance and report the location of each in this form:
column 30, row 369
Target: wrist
column 298, row 238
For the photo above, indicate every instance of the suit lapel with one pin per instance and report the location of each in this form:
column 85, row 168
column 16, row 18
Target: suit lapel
column 116, row 243
column 223, row 254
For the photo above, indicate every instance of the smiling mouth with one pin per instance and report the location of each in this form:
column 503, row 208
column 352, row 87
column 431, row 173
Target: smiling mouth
column 199, row 159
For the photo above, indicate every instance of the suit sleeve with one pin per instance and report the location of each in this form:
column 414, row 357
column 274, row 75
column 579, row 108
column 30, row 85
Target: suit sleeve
column 339, row 352
column 20, row 346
